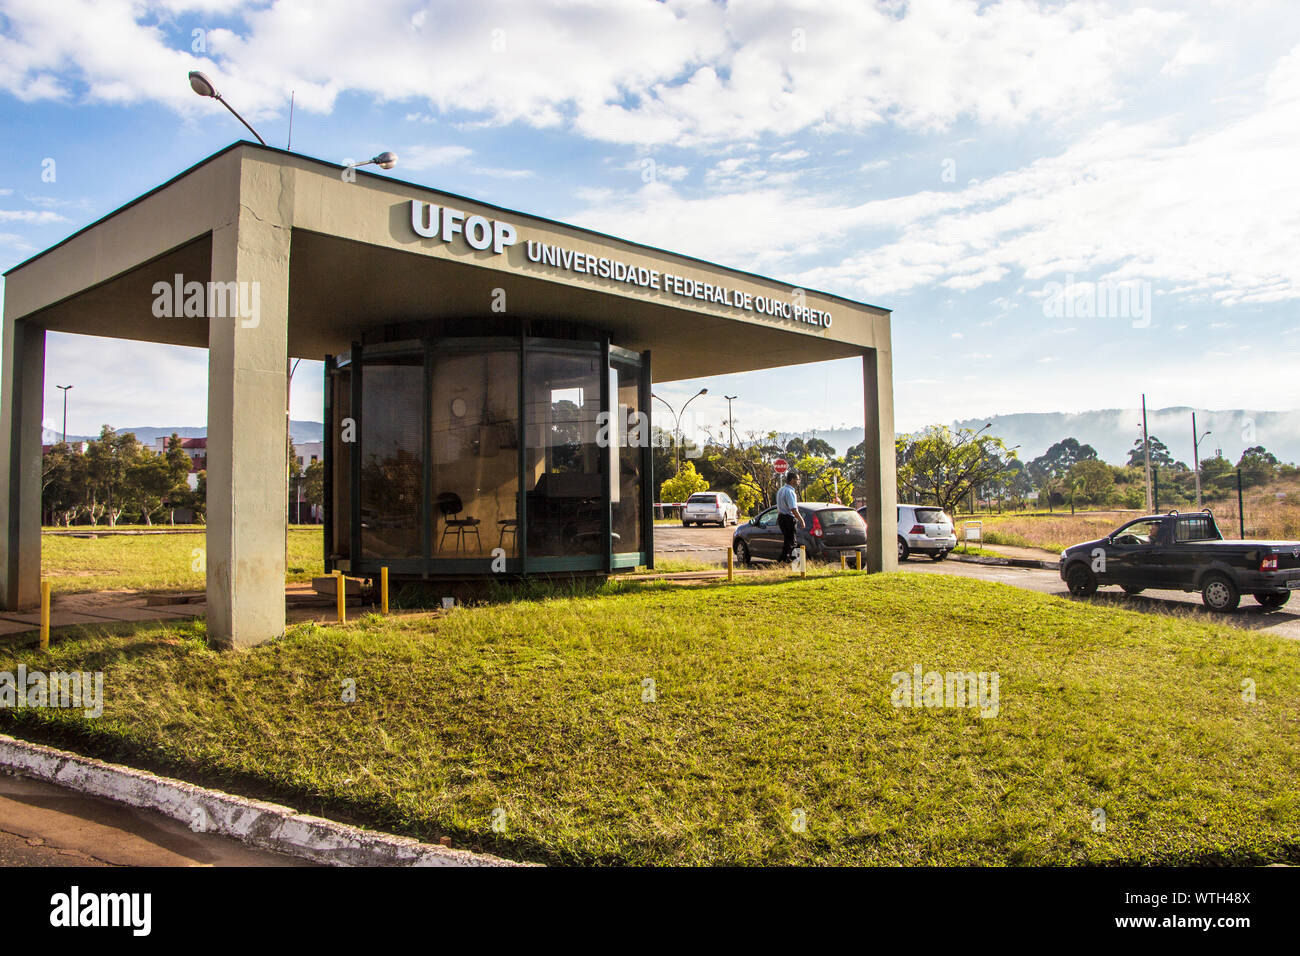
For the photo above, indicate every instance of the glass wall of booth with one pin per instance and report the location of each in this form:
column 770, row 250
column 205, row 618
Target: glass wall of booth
column 470, row 456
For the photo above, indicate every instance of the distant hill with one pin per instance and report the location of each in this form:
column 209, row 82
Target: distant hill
column 301, row 432
column 1112, row 431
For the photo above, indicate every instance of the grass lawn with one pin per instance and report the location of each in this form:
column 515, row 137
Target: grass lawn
column 154, row 562
column 773, row 695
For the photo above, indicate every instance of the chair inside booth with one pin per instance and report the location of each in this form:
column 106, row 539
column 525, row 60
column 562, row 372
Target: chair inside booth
column 474, row 450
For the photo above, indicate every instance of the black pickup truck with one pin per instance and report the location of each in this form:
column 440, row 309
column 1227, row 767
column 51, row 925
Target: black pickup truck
column 1185, row 552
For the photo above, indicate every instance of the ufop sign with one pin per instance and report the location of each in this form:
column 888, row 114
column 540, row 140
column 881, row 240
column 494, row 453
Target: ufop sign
column 442, row 222
column 432, row 221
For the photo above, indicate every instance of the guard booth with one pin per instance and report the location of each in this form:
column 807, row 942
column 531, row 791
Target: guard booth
column 486, row 454
column 473, row 355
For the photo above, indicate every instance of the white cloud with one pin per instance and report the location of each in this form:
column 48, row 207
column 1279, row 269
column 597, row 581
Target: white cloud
column 31, row 216
column 697, row 72
column 433, row 157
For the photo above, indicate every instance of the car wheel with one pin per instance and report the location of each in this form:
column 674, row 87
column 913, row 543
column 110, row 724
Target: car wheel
column 938, row 555
column 1219, row 593
column 686, row 524
column 903, row 550
column 1273, row 600
column 742, row 553
column 1081, row 581
column 1131, row 590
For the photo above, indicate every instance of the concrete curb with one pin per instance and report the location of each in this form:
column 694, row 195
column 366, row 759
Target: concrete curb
column 269, row 826
column 1004, row 562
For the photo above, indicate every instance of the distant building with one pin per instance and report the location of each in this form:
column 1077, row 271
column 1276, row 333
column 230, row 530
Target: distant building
column 196, row 448
column 308, row 451
column 78, row 447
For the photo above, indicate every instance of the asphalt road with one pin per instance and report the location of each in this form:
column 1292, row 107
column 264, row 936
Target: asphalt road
column 45, row 825
column 1250, row 616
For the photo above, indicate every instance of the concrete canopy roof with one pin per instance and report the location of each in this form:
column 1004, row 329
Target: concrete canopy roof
column 356, row 264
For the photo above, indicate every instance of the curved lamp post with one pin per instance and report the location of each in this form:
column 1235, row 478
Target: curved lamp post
column 677, row 421
column 201, row 85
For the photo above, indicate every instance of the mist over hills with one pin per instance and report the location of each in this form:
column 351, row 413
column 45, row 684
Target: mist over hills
column 1113, row 431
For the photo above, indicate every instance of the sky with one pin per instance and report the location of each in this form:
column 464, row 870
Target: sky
column 1064, row 205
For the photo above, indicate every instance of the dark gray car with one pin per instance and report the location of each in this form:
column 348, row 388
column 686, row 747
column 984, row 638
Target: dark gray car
column 829, row 531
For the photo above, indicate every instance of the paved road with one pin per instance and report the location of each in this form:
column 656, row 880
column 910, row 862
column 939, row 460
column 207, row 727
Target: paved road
column 1285, row 623
column 692, row 544
column 45, row 825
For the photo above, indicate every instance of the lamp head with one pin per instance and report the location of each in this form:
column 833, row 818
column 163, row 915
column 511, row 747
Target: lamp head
column 385, row 160
column 201, row 85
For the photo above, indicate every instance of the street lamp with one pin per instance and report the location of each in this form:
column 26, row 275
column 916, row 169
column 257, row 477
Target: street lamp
column 1196, row 458
column 731, row 441
column 65, row 389
column 384, row 160
column 201, row 85
column 677, row 421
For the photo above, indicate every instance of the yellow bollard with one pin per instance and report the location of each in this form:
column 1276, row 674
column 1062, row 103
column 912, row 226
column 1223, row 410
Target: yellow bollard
column 45, row 615
column 341, row 581
column 803, row 561
column 844, row 561
column 383, row 588
column 731, row 565
column 859, row 560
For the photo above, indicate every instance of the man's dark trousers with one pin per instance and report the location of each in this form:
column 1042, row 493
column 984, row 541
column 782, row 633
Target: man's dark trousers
column 787, row 529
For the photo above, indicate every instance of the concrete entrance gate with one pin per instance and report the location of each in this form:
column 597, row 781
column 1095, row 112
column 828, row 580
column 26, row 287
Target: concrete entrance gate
column 296, row 258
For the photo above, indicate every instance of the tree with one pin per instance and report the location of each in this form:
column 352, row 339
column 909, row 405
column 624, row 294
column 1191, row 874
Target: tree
column 749, row 466
column 1160, row 457
column 819, row 448
column 682, row 485
column 944, row 465
column 313, row 488
column 1093, row 480
column 150, row 479
column 1258, row 466
column 1216, row 475
column 59, row 498
column 108, row 458
column 831, row 483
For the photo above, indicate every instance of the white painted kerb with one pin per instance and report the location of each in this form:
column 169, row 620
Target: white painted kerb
column 266, row 825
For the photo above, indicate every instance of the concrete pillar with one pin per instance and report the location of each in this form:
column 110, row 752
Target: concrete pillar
column 881, row 491
column 21, row 402
column 247, row 453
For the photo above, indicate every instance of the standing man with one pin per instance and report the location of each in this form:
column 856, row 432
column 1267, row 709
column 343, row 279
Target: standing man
column 787, row 506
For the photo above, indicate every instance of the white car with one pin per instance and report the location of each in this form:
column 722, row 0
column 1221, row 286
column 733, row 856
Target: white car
column 924, row 529
column 710, row 507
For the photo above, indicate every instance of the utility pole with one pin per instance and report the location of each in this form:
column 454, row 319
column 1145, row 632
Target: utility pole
column 65, row 411
column 1196, row 457
column 1146, row 450
column 731, row 441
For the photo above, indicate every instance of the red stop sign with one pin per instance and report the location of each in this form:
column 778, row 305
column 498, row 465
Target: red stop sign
column 781, row 466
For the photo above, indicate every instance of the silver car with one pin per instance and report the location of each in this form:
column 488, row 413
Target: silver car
column 710, row 507
column 924, row 529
